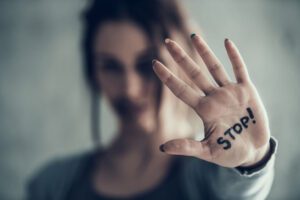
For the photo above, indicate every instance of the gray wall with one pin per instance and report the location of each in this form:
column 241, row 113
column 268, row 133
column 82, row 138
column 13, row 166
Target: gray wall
column 44, row 104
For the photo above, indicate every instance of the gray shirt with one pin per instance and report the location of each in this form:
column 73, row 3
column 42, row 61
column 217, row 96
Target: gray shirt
column 188, row 178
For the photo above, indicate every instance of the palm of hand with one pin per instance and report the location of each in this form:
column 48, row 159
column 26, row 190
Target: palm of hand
column 235, row 121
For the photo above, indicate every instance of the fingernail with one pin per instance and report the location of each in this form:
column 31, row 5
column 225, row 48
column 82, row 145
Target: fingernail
column 154, row 61
column 193, row 35
column 226, row 40
column 161, row 148
column 167, row 40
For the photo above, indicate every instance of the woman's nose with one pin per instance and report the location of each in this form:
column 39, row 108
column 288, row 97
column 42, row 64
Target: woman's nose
column 132, row 86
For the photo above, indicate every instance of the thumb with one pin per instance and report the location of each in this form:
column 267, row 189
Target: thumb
column 187, row 147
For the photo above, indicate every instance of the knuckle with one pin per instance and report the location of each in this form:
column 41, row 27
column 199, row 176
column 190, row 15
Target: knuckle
column 180, row 90
column 205, row 53
column 214, row 67
column 187, row 145
column 181, row 58
column 168, row 79
column 195, row 73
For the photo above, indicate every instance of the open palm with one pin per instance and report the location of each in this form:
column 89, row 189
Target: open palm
column 235, row 121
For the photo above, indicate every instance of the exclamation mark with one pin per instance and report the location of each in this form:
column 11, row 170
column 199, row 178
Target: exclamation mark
column 251, row 115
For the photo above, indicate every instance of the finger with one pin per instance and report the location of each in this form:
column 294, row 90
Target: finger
column 239, row 67
column 189, row 66
column 214, row 66
column 187, row 147
column 182, row 90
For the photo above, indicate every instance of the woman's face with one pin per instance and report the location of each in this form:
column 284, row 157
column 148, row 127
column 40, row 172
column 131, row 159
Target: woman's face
column 123, row 68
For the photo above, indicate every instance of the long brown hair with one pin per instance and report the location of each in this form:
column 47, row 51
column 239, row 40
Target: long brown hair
column 155, row 17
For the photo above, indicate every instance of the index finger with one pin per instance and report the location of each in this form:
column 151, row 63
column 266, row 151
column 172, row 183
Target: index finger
column 193, row 71
column 238, row 64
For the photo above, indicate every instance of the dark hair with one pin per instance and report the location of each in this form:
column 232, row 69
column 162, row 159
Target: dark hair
column 155, row 17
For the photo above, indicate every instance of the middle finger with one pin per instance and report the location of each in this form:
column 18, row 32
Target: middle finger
column 211, row 61
column 189, row 66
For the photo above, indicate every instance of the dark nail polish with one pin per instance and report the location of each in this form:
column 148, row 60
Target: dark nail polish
column 226, row 40
column 193, row 35
column 161, row 148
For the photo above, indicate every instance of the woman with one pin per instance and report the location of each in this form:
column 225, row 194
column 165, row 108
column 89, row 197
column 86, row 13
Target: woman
column 234, row 160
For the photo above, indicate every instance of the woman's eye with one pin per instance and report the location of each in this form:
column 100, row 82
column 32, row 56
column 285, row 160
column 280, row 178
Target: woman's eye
column 110, row 66
column 145, row 68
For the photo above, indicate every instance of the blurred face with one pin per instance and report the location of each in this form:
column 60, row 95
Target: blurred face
column 123, row 68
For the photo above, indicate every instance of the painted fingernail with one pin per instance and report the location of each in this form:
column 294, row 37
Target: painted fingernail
column 154, row 61
column 161, row 148
column 193, row 35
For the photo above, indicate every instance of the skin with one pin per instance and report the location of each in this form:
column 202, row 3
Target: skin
column 133, row 163
column 222, row 105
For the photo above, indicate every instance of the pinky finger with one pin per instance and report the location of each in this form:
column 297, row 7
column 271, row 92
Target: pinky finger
column 179, row 88
column 238, row 64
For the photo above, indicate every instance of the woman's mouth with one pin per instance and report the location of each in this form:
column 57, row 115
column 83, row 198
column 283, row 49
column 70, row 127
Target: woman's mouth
column 127, row 109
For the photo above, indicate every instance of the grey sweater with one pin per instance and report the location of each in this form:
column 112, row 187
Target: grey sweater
column 189, row 178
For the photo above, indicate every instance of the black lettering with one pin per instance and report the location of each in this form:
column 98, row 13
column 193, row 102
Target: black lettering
column 226, row 144
column 244, row 121
column 237, row 128
column 251, row 115
column 227, row 132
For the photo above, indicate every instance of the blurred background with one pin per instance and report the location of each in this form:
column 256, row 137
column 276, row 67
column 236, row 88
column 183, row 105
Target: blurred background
column 44, row 103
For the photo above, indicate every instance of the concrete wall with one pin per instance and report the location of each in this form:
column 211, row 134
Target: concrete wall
column 44, row 105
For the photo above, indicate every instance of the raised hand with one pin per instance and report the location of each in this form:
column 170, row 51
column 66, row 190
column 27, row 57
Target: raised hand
column 235, row 121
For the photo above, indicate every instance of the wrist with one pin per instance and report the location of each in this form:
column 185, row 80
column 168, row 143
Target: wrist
column 263, row 163
column 260, row 156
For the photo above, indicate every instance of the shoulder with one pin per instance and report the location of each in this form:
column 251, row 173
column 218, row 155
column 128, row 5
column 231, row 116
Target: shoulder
column 56, row 175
